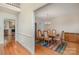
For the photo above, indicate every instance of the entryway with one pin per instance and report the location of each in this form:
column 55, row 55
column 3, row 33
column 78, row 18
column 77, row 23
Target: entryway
column 9, row 31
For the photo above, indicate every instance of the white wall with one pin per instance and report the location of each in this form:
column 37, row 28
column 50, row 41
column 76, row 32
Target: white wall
column 61, row 16
column 26, row 26
column 4, row 16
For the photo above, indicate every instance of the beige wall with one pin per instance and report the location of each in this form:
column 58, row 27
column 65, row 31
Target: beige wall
column 61, row 16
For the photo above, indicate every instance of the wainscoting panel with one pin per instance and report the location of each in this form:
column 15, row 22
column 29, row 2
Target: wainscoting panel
column 26, row 41
column 72, row 37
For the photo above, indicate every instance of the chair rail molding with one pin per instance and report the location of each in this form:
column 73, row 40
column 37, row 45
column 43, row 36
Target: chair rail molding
column 27, row 35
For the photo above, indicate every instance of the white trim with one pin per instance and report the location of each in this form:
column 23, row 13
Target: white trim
column 4, row 5
column 27, row 35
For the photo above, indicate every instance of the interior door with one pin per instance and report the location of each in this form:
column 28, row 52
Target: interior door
column 9, row 31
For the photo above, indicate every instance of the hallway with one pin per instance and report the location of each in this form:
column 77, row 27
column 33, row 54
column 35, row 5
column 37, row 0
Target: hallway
column 14, row 48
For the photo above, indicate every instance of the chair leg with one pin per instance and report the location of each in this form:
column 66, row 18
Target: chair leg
column 54, row 42
column 49, row 42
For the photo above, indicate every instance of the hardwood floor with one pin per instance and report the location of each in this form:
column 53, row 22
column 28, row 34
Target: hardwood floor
column 14, row 48
column 40, row 50
column 71, row 49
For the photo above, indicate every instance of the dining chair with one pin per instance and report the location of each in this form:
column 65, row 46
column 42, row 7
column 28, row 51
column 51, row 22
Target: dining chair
column 47, row 38
column 39, row 35
column 54, row 32
column 50, row 33
column 59, row 39
column 62, row 37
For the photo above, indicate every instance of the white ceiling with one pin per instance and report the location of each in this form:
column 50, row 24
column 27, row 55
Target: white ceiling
column 8, row 8
column 14, row 10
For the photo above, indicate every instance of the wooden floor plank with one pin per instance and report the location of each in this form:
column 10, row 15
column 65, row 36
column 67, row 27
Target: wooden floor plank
column 41, row 50
column 71, row 49
column 14, row 49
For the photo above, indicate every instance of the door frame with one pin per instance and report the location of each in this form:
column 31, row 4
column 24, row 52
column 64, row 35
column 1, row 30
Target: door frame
column 15, row 28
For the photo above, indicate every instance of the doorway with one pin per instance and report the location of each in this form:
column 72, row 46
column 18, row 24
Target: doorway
column 9, row 31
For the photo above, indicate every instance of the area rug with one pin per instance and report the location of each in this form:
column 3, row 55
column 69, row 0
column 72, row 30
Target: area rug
column 61, row 47
column 37, row 42
column 42, row 43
